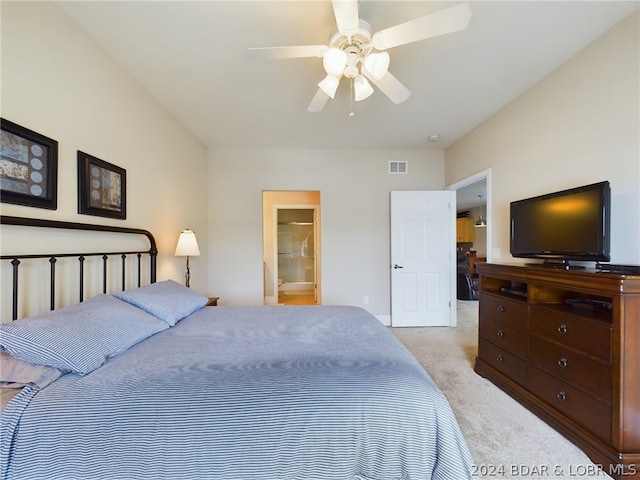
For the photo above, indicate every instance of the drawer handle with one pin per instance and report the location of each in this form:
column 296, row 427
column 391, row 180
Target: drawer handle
column 562, row 396
column 500, row 359
column 563, row 362
column 500, row 333
column 562, row 329
column 501, row 308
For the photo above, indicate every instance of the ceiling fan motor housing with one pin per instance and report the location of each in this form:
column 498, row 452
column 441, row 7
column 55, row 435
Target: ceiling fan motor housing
column 358, row 44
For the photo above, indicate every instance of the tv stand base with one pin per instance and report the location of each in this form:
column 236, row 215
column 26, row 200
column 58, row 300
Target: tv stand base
column 567, row 351
column 558, row 265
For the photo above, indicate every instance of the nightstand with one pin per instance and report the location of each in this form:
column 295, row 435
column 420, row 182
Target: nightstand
column 213, row 302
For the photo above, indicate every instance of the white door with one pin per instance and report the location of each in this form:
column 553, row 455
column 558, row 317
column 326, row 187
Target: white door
column 422, row 258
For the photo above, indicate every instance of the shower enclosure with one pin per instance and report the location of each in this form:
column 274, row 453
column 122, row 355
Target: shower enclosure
column 296, row 251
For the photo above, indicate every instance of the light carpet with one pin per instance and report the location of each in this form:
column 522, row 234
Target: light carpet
column 506, row 440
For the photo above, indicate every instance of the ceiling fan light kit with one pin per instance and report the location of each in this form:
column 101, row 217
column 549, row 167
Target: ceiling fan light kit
column 377, row 64
column 355, row 53
column 361, row 88
column 329, row 85
column 334, row 61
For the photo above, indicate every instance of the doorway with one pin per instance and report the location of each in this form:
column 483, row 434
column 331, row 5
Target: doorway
column 291, row 247
column 473, row 194
column 296, row 269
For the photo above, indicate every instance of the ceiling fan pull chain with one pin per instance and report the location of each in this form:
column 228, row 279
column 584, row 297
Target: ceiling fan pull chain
column 351, row 112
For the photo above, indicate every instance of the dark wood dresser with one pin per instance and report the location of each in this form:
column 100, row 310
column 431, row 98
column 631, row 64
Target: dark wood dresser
column 566, row 345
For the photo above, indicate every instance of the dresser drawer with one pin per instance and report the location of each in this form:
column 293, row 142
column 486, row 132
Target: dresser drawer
column 505, row 310
column 574, row 367
column 592, row 414
column 510, row 365
column 586, row 335
column 505, row 336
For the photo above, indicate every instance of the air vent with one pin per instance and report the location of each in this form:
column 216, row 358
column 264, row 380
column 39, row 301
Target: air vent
column 398, row 167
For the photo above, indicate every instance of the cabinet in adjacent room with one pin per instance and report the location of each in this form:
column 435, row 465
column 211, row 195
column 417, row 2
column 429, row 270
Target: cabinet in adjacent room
column 563, row 343
column 464, row 230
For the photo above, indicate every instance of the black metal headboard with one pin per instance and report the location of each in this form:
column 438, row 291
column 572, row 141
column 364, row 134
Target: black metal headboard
column 81, row 256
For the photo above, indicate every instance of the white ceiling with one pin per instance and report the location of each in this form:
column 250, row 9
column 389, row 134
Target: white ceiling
column 192, row 57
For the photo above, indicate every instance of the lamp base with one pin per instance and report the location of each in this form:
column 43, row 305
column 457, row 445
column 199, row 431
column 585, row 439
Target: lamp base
column 187, row 276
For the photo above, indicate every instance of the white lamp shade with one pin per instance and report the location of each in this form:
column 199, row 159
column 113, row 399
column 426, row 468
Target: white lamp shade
column 377, row 64
column 361, row 88
column 334, row 61
column 329, row 85
column 187, row 244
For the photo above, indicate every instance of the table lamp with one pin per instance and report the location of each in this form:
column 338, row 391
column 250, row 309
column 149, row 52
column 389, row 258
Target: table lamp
column 187, row 247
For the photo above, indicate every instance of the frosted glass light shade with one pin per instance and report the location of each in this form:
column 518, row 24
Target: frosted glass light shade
column 187, row 244
column 377, row 64
column 334, row 61
column 361, row 88
column 329, row 85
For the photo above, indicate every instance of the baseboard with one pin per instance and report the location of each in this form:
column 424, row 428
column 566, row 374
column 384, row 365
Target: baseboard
column 270, row 300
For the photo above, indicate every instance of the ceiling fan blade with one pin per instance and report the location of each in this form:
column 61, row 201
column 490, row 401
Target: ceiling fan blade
column 390, row 86
column 318, row 102
column 346, row 12
column 300, row 51
column 452, row 19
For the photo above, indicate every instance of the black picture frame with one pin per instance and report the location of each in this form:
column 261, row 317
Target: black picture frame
column 102, row 188
column 28, row 167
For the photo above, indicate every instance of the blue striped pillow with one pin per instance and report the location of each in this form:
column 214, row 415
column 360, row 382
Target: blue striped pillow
column 79, row 338
column 166, row 300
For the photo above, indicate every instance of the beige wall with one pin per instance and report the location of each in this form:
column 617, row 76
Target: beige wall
column 354, row 190
column 58, row 82
column 479, row 233
column 579, row 125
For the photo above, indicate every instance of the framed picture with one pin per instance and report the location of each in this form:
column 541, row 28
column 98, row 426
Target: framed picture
column 102, row 188
column 28, row 167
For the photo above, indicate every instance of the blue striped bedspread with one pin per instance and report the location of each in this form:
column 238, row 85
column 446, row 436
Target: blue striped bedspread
column 243, row 393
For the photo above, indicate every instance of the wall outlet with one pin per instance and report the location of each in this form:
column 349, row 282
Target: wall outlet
column 365, row 300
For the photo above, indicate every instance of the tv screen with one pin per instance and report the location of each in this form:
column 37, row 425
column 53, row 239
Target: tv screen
column 568, row 225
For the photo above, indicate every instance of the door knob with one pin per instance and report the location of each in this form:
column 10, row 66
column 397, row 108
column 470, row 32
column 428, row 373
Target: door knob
column 395, row 265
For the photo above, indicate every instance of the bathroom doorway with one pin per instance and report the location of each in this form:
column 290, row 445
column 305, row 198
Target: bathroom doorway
column 291, row 248
column 296, row 256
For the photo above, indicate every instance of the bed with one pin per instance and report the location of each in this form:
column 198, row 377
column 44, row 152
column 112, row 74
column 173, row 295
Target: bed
column 149, row 383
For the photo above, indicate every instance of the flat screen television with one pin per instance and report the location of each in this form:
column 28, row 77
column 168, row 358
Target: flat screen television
column 564, row 226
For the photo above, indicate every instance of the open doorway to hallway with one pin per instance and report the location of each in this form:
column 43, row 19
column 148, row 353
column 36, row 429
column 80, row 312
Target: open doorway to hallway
column 291, row 233
column 473, row 231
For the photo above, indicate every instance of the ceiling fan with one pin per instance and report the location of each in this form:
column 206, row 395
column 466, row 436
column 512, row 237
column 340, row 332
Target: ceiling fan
column 358, row 54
